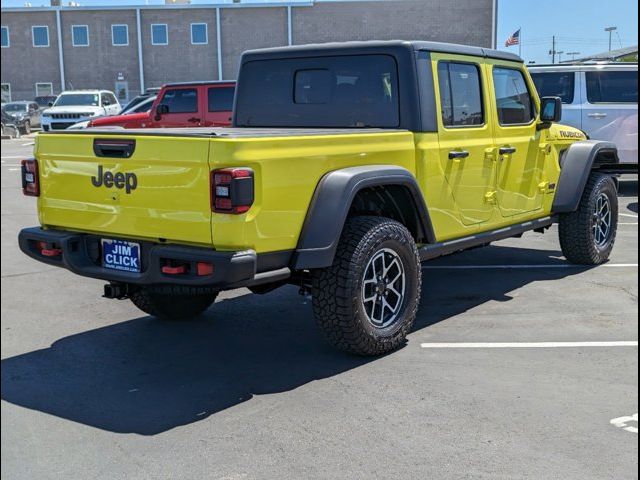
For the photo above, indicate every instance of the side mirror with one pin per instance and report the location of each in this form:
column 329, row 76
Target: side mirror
column 550, row 109
column 161, row 109
column 50, row 104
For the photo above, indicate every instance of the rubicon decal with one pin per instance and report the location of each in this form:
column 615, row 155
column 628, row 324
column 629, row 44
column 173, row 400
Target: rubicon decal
column 120, row 180
column 570, row 134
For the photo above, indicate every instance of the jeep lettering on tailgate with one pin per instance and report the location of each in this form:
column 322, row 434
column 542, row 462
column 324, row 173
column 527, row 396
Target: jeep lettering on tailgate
column 128, row 181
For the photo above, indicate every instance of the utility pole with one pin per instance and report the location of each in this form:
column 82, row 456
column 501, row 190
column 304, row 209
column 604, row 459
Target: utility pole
column 552, row 52
column 610, row 30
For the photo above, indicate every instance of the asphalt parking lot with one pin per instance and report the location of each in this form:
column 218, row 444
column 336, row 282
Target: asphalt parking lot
column 91, row 388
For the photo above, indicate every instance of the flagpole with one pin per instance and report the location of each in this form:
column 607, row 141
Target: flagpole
column 520, row 43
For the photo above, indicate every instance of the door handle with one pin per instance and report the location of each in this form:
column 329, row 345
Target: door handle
column 506, row 150
column 596, row 115
column 453, row 154
column 193, row 120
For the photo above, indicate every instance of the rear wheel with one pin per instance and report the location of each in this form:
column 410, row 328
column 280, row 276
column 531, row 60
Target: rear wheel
column 587, row 235
column 366, row 302
column 172, row 306
column 26, row 129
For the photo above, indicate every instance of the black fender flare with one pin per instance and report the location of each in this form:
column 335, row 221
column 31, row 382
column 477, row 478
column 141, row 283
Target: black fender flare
column 577, row 163
column 330, row 206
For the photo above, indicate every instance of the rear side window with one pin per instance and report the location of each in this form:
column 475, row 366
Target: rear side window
column 335, row 92
column 612, row 87
column 182, row 100
column 460, row 94
column 221, row 99
column 514, row 103
column 555, row 84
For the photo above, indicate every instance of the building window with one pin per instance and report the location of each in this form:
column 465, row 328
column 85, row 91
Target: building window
column 80, row 35
column 199, row 34
column 5, row 37
column 159, row 35
column 44, row 89
column 6, row 92
column 120, row 35
column 40, row 35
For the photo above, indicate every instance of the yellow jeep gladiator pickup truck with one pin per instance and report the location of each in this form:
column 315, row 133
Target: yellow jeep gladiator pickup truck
column 345, row 167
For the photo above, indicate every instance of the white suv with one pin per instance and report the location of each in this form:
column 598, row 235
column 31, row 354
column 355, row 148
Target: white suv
column 601, row 99
column 76, row 106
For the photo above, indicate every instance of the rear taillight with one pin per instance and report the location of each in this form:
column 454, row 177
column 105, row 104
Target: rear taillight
column 30, row 180
column 232, row 190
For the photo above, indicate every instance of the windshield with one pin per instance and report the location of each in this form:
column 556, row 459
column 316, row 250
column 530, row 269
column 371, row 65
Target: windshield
column 15, row 107
column 77, row 99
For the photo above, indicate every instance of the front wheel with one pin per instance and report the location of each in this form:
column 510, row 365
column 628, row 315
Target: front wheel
column 26, row 129
column 366, row 302
column 587, row 235
column 171, row 306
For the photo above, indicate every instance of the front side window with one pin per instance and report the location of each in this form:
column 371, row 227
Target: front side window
column 199, row 34
column 5, row 37
column 221, row 99
column 350, row 91
column 514, row 102
column 460, row 94
column 159, row 35
column 181, row 100
column 40, row 36
column 120, row 35
column 555, row 84
column 78, row 99
column 80, row 35
column 612, row 87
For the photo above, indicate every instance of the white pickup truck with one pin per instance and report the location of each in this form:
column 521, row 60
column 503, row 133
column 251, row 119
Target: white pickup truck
column 601, row 99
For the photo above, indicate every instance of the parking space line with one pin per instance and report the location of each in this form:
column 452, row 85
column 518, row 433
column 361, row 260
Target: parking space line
column 621, row 422
column 628, row 223
column 509, row 267
column 530, row 344
column 627, row 215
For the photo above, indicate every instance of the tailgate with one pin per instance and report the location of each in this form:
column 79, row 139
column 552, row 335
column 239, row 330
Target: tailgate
column 158, row 191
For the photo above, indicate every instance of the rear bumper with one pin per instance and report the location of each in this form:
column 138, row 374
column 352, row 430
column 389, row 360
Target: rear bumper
column 80, row 253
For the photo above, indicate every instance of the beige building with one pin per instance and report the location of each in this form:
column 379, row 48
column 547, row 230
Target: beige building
column 130, row 48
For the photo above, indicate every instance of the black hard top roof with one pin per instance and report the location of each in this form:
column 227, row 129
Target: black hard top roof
column 341, row 48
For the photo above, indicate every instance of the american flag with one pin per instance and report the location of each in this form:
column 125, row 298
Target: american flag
column 514, row 39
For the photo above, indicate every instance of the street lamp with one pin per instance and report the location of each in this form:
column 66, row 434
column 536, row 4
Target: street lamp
column 560, row 52
column 610, row 29
column 573, row 54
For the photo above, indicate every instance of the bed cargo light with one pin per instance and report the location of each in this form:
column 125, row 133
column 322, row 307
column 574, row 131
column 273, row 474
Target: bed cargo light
column 232, row 190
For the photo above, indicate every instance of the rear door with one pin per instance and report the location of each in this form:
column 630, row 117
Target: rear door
column 159, row 190
column 520, row 162
column 183, row 108
column 464, row 134
column 219, row 105
column 611, row 109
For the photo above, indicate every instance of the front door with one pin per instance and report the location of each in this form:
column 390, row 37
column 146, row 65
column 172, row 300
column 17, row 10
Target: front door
column 182, row 109
column 465, row 136
column 520, row 161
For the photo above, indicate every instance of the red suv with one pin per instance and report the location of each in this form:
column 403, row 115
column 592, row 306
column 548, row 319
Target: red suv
column 194, row 104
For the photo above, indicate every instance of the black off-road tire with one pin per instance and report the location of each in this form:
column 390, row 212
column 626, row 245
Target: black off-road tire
column 338, row 290
column 171, row 306
column 576, row 229
column 26, row 129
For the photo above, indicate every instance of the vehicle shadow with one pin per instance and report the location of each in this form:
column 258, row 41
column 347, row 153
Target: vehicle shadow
column 147, row 376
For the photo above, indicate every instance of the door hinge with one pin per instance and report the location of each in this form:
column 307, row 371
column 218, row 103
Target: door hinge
column 546, row 187
column 489, row 154
column 490, row 197
column 545, row 148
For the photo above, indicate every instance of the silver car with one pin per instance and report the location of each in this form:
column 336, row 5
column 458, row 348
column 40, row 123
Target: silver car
column 601, row 99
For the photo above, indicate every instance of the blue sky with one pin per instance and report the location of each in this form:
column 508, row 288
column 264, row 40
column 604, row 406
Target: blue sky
column 578, row 24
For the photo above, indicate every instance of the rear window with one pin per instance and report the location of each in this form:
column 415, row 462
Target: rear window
column 555, row 84
column 181, row 100
column 336, row 92
column 221, row 99
column 612, row 87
